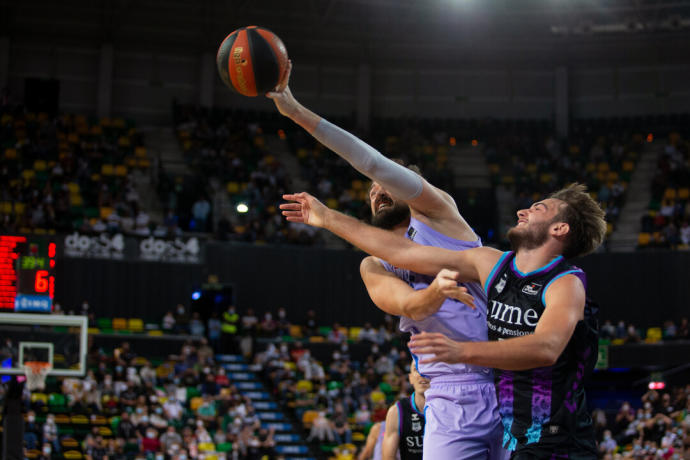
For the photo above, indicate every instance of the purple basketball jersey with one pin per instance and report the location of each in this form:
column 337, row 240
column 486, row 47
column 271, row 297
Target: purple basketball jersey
column 454, row 319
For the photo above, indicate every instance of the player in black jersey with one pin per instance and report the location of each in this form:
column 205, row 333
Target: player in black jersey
column 542, row 329
column 405, row 422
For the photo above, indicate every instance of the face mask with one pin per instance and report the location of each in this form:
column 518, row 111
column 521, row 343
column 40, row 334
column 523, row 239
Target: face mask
column 118, row 368
column 159, row 410
column 46, row 450
column 283, row 349
column 281, row 314
column 150, row 435
column 160, row 457
column 182, row 457
column 140, row 410
column 199, row 423
column 31, row 418
column 144, row 419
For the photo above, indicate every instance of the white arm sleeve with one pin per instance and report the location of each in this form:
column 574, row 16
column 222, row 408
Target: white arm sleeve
column 400, row 181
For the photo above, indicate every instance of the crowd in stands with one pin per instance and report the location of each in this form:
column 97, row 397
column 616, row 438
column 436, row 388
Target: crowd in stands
column 667, row 222
column 621, row 332
column 70, row 172
column 655, row 427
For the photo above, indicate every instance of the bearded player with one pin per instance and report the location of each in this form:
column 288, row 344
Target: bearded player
column 542, row 330
column 462, row 417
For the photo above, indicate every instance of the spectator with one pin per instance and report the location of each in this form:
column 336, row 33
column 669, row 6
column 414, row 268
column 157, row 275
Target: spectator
column 608, row 445
column 321, row 429
column 268, row 325
column 168, row 322
column 150, row 443
column 229, row 328
column 50, row 433
column 170, row 438
column 214, row 327
column 336, row 335
column 196, row 326
column 181, row 319
column 32, row 432
column 200, row 211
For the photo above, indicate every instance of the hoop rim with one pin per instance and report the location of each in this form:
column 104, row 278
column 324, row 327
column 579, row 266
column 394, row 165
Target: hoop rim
column 36, row 366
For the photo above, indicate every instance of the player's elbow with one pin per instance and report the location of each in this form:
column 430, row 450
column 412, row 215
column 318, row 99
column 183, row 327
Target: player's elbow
column 550, row 351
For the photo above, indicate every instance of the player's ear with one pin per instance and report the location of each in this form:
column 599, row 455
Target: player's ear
column 560, row 229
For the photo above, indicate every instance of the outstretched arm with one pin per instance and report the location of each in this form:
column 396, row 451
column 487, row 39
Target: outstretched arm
column 399, row 180
column 471, row 264
column 396, row 297
column 565, row 302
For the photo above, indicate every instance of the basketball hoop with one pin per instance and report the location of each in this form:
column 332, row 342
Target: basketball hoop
column 36, row 373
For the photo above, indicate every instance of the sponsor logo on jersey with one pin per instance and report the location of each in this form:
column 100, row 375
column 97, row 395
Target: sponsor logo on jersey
column 501, row 283
column 411, row 233
column 532, row 289
column 513, row 315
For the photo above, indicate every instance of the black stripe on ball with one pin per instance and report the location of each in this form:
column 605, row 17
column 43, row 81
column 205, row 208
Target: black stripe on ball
column 222, row 60
column 266, row 72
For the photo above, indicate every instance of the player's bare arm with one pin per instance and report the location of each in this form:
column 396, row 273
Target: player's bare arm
column 395, row 297
column 471, row 265
column 565, row 302
column 391, row 438
column 370, row 444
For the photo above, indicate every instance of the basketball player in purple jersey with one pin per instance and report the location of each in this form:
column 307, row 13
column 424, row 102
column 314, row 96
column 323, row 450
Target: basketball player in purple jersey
column 462, row 416
column 373, row 447
column 542, row 328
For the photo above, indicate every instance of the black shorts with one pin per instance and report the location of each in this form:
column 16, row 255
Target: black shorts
column 553, row 452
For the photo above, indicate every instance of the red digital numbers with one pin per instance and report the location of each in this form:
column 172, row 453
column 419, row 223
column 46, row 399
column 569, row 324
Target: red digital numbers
column 41, row 283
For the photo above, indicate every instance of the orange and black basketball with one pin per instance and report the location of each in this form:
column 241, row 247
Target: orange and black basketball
column 252, row 60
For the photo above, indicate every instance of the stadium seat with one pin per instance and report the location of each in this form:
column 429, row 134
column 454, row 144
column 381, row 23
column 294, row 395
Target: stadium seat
column 69, row 443
column 684, row 193
column 305, row 385
column 73, row 455
column 39, row 397
column 207, row 447
column 643, row 239
column 354, row 333
column 79, row 420
column 377, row 397
column 308, row 418
column 107, row 170
column 653, row 335
column 135, row 324
column 192, row 392
column 295, row 331
column 119, row 323
column 358, row 437
column 224, row 447
column 32, row 453
column 56, row 400
column 105, row 431
column 140, row 152
column 195, row 403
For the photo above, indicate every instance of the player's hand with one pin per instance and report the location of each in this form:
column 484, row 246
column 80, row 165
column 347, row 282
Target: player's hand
column 441, row 347
column 446, row 283
column 282, row 96
column 305, row 209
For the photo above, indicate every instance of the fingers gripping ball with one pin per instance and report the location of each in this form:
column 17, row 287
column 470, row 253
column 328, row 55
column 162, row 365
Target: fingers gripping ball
column 252, row 60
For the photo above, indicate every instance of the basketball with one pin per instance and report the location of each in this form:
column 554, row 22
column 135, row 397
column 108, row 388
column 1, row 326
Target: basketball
column 252, row 60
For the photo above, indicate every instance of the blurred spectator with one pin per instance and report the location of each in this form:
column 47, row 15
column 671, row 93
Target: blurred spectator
column 181, row 319
column 196, row 325
column 168, row 322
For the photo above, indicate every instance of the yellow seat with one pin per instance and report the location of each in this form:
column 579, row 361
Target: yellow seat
column 76, row 200
column 105, row 431
column 135, row 324
column 79, row 420
column 643, row 239
column 684, row 193
column 119, row 323
column 40, row 165
column 107, row 170
column 233, row 188
column 10, row 153
column 73, row 187
column 124, row 141
column 308, row 418
column 131, row 162
column 653, row 335
column 119, row 123
column 32, row 453
column 670, row 194
column 99, row 420
column 289, row 365
column 94, row 330
column 317, row 339
column 354, row 333
column 140, row 152
column 332, row 203
column 42, row 397
column 155, row 333
column 377, row 397
column 69, row 443
column 73, row 138
column 305, row 385
column 358, row 437
column 121, row 170
column 628, row 166
column 144, row 163
column 195, row 403
column 28, row 174
column 207, row 447
column 6, row 207
column 105, row 212
column 295, row 330
column 61, row 419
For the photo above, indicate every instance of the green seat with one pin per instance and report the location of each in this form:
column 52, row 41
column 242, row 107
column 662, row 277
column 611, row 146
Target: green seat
column 192, row 392
column 224, row 447
column 61, row 329
column 115, row 422
column 385, row 387
column 56, row 399
column 65, row 430
column 104, row 323
column 325, row 330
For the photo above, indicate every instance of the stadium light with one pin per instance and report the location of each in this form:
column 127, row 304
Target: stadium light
column 242, row 208
column 196, row 295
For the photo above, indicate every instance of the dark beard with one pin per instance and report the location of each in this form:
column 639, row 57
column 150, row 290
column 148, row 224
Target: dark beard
column 528, row 240
column 392, row 217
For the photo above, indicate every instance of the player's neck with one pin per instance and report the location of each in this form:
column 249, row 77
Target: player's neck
column 401, row 228
column 528, row 260
column 419, row 401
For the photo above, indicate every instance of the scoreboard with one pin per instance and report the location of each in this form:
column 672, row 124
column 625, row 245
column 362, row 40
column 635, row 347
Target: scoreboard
column 27, row 274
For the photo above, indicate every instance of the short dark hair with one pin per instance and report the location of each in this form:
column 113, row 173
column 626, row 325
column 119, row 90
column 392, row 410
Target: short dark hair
column 585, row 218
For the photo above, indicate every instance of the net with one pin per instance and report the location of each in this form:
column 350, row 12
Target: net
column 36, row 372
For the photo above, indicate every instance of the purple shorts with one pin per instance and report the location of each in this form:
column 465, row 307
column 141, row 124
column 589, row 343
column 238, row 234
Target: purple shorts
column 462, row 420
